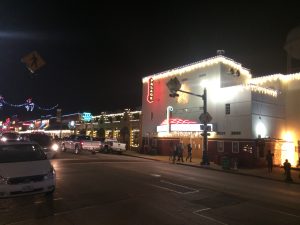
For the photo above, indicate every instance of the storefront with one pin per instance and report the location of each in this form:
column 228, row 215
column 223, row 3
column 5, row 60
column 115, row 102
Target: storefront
column 248, row 115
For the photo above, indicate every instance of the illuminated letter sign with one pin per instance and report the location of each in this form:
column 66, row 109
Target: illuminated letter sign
column 150, row 97
column 86, row 117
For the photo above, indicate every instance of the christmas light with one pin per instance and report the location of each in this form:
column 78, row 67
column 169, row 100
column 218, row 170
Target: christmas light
column 198, row 65
column 29, row 105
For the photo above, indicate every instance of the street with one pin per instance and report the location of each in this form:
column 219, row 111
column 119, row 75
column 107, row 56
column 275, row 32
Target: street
column 116, row 189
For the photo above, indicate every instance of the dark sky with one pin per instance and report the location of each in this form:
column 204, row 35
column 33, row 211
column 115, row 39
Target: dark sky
column 97, row 53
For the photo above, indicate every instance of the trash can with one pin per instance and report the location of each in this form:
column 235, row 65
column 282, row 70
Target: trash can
column 225, row 163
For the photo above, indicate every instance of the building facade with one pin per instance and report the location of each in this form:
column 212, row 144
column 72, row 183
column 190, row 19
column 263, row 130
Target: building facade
column 248, row 115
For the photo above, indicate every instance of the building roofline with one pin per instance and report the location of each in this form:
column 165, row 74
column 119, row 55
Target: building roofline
column 200, row 64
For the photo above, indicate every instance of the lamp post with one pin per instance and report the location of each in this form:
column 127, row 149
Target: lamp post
column 174, row 86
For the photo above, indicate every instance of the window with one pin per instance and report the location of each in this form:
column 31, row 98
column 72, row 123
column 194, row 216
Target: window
column 235, row 147
column 151, row 116
column 227, row 109
column 235, row 132
column 220, row 146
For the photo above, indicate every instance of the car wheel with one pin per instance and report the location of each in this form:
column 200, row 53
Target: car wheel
column 76, row 151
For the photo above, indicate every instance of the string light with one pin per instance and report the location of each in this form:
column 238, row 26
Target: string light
column 198, row 65
column 29, row 105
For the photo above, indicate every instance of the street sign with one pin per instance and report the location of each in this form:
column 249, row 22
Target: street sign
column 33, row 61
column 205, row 117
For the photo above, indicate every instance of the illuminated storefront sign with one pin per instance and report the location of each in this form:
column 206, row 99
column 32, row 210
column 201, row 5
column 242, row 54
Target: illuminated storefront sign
column 86, row 117
column 184, row 127
column 150, row 97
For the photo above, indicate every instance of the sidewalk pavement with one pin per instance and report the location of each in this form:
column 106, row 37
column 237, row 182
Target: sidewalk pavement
column 277, row 173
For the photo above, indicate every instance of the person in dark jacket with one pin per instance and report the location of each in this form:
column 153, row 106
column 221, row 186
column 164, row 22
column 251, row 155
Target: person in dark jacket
column 269, row 158
column 189, row 152
column 287, row 171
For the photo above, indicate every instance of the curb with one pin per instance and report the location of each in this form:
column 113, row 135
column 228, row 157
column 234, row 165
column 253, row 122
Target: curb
column 209, row 168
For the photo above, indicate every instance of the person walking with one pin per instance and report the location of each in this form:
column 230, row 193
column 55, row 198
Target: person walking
column 287, row 171
column 189, row 152
column 175, row 152
column 269, row 158
column 180, row 152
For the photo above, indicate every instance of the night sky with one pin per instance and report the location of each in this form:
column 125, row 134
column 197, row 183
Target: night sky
column 96, row 54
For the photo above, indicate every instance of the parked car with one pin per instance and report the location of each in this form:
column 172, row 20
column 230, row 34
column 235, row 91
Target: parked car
column 77, row 143
column 24, row 169
column 9, row 136
column 48, row 144
column 112, row 145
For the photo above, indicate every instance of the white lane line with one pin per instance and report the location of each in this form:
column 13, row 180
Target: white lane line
column 166, row 189
column 193, row 190
column 207, row 217
column 155, row 175
column 284, row 213
column 44, row 201
column 201, row 210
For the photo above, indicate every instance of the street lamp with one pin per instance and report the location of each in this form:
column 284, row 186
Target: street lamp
column 174, row 86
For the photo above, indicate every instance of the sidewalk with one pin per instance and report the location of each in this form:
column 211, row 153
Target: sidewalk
column 277, row 173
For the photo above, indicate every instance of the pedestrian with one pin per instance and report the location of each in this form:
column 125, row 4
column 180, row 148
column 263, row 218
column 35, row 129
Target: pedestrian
column 269, row 158
column 287, row 171
column 189, row 152
column 180, row 152
column 175, row 152
column 171, row 154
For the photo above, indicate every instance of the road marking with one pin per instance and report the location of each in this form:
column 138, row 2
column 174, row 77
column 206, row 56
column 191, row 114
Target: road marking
column 197, row 212
column 211, row 219
column 201, row 210
column 155, row 175
column 284, row 213
column 191, row 190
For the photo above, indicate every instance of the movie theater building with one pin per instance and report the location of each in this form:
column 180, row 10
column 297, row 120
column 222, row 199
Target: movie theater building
column 248, row 115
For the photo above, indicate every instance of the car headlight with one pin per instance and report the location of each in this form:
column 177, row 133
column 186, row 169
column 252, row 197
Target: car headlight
column 55, row 147
column 3, row 180
column 3, row 139
column 50, row 174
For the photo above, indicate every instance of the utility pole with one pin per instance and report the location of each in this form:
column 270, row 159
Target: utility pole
column 174, row 86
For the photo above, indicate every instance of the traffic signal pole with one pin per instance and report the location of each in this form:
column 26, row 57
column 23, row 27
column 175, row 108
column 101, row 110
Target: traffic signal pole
column 174, row 86
column 205, row 160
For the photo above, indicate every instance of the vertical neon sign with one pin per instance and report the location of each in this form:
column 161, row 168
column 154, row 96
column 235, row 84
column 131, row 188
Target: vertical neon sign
column 150, row 97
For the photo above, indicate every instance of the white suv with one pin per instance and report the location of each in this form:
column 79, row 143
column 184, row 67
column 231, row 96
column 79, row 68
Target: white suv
column 24, row 169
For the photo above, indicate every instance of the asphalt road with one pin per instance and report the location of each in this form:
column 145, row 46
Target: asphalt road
column 116, row 190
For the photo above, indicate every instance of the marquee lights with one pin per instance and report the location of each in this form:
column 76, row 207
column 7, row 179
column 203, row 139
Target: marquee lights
column 177, row 121
column 184, row 127
column 150, row 97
